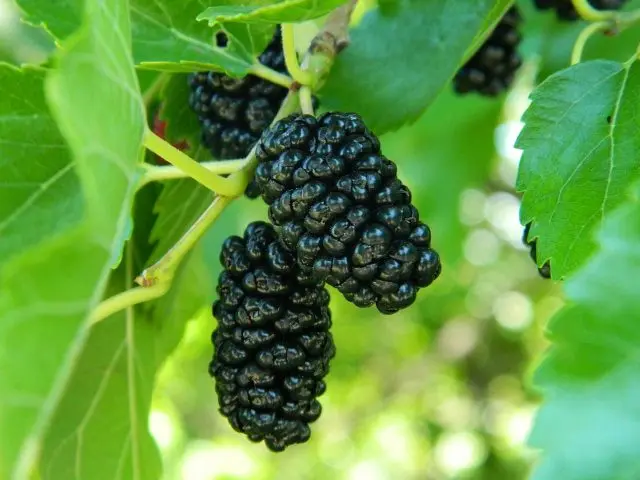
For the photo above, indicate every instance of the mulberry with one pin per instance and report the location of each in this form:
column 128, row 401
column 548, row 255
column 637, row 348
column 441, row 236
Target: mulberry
column 544, row 270
column 272, row 343
column 492, row 68
column 233, row 112
column 566, row 11
column 342, row 211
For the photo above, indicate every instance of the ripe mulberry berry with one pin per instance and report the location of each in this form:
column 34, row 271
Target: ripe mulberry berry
column 492, row 68
column 233, row 112
column 544, row 270
column 566, row 11
column 272, row 343
column 341, row 209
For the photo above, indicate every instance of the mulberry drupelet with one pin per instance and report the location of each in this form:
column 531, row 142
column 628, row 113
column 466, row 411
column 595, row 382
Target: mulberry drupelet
column 566, row 11
column 341, row 209
column 233, row 112
column 544, row 270
column 492, row 68
column 272, row 343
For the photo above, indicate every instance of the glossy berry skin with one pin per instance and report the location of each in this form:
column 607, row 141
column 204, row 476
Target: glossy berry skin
column 272, row 343
column 342, row 211
column 492, row 68
column 544, row 270
column 565, row 11
column 233, row 112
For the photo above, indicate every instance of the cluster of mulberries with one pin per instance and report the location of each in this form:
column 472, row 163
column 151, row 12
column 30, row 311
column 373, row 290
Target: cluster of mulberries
column 565, row 10
column 341, row 209
column 544, row 270
column 272, row 343
column 492, row 68
column 233, row 112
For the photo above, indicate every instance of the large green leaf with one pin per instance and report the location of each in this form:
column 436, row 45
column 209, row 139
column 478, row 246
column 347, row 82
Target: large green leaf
column 39, row 192
column 279, row 11
column 400, row 57
column 580, row 148
column 100, row 429
column 166, row 35
column 588, row 426
column 47, row 292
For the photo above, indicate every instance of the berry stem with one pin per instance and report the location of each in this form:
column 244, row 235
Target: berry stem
column 291, row 56
column 587, row 12
column 306, row 102
column 127, row 299
column 189, row 166
column 159, row 173
column 581, row 41
column 162, row 272
column 337, row 24
column 271, row 75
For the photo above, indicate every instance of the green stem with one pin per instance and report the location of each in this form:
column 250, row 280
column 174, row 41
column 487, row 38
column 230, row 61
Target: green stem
column 617, row 20
column 306, row 101
column 189, row 166
column 271, row 75
column 127, row 299
column 159, row 173
column 585, row 34
column 587, row 12
column 162, row 272
column 291, row 56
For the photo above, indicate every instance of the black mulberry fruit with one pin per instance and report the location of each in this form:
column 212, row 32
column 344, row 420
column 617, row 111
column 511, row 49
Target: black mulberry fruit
column 492, row 68
column 341, row 209
column 272, row 343
column 565, row 11
column 544, row 270
column 233, row 112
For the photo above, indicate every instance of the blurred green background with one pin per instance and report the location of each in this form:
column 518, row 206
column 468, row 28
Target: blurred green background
column 439, row 391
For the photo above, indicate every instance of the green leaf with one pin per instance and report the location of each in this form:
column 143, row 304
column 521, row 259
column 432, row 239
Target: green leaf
column 44, row 313
column 61, row 19
column 100, row 427
column 579, row 156
column 400, row 58
column 588, row 425
column 40, row 193
column 166, row 35
column 278, row 11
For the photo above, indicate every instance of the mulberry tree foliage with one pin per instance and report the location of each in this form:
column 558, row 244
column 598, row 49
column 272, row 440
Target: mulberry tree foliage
column 371, row 139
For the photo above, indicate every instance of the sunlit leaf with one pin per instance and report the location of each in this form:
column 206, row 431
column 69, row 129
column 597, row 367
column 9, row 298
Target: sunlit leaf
column 579, row 156
column 279, row 11
column 42, row 198
column 400, row 57
column 166, row 35
column 588, row 424
column 47, row 293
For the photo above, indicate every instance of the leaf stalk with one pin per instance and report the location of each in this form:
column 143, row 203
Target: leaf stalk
column 188, row 165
